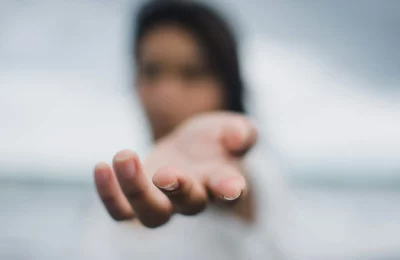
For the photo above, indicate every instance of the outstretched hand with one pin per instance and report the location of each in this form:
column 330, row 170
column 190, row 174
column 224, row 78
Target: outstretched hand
column 196, row 164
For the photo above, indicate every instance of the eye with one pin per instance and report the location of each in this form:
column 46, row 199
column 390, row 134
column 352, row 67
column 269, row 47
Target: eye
column 151, row 71
column 194, row 72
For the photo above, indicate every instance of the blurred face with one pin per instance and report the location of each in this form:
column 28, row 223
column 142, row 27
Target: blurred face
column 174, row 79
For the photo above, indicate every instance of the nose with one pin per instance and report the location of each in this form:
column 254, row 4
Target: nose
column 168, row 93
column 169, row 88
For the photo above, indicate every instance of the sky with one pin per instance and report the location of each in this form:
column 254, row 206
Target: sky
column 323, row 85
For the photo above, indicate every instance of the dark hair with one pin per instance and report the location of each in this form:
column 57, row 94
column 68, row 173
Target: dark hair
column 214, row 35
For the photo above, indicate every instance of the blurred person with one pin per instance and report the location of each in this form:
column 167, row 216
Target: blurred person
column 189, row 83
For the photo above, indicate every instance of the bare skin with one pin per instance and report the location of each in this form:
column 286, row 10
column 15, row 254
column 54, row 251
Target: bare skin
column 174, row 80
column 193, row 166
column 196, row 160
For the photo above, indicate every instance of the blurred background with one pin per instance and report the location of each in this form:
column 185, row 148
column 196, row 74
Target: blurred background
column 324, row 85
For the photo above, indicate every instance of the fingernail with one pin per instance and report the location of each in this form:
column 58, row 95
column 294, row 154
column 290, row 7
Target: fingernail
column 232, row 198
column 170, row 187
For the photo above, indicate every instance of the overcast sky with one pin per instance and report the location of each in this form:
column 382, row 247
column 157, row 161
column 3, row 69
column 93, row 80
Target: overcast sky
column 323, row 80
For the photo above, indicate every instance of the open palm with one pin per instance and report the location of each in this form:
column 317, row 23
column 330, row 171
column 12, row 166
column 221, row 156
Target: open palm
column 198, row 162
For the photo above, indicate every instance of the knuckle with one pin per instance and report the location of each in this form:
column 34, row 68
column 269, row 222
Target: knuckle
column 134, row 194
column 114, row 211
column 117, row 216
column 108, row 200
column 154, row 222
column 177, row 197
column 192, row 211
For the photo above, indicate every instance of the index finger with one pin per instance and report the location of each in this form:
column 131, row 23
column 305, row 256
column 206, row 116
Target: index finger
column 151, row 206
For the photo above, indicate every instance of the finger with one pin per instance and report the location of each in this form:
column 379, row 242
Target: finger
column 226, row 183
column 188, row 195
column 239, row 135
column 151, row 206
column 111, row 194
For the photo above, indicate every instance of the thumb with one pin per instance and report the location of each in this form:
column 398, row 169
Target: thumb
column 238, row 135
